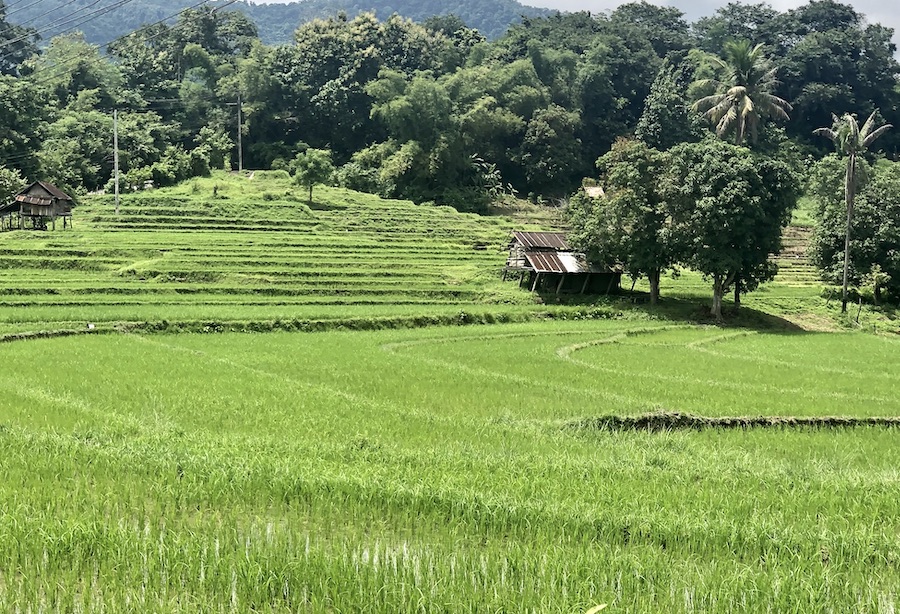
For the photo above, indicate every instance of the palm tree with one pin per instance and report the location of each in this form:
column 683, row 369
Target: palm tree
column 745, row 96
column 850, row 140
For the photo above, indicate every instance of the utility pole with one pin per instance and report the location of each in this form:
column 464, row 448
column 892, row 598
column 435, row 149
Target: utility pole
column 240, row 148
column 116, row 154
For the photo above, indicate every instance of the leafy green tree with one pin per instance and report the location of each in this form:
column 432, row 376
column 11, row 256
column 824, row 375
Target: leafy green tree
column 614, row 81
column 843, row 69
column 149, row 62
column 819, row 16
column 64, row 79
column 738, row 21
column 631, row 223
column 213, row 147
column 614, row 65
column 667, row 118
column 25, row 111
column 551, row 151
column 17, row 44
column 143, row 137
column 76, row 152
column 324, row 76
column 744, row 97
column 875, row 249
column 444, row 136
column 418, row 110
column 878, row 279
column 728, row 209
column 663, row 26
column 11, row 181
column 463, row 39
column 225, row 34
column 312, row 167
column 851, row 141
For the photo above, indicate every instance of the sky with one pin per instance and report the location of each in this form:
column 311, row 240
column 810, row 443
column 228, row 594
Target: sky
column 885, row 12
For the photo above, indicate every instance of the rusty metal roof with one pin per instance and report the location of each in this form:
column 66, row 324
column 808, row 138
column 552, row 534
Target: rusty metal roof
column 542, row 240
column 51, row 189
column 30, row 199
column 561, row 262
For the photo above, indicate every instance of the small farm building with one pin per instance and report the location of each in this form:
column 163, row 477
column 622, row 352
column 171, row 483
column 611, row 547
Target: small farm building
column 39, row 202
column 546, row 262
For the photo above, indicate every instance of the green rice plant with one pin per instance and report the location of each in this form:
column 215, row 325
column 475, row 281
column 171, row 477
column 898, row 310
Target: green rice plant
column 431, row 469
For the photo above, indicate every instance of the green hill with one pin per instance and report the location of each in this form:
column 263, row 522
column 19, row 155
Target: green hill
column 276, row 22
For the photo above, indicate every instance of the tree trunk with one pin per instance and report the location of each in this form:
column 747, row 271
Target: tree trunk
column 718, row 294
column 654, row 276
column 310, row 193
column 737, row 292
column 849, row 194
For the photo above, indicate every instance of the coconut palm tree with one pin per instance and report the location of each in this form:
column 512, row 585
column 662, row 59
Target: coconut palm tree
column 852, row 141
column 745, row 95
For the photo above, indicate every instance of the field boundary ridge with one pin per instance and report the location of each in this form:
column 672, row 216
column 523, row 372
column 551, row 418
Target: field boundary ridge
column 460, row 318
column 672, row 421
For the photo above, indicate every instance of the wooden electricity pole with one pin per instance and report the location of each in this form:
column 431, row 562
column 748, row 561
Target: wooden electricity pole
column 116, row 154
column 239, row 144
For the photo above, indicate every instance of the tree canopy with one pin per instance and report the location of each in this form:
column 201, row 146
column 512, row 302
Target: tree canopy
column 437, row 111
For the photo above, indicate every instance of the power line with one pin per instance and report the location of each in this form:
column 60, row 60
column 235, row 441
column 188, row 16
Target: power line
column 18, row 158
column 19, row 9
column 57, row 68
column 54, row 9
column 67, row 19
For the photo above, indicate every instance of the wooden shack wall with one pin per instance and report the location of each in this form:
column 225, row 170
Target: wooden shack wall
column 57, row 209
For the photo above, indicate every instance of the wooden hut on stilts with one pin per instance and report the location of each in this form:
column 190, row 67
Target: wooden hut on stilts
column 38, row 203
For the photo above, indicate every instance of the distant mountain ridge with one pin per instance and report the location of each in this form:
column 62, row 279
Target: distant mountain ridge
column 276, row 22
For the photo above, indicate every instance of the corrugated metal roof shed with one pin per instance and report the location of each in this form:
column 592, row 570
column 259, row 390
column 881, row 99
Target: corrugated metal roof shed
column 560, row 262
column 542, row 240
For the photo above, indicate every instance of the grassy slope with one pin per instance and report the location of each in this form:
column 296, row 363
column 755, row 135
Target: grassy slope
column 232, row 248
column 418, row 470
column 236, row 248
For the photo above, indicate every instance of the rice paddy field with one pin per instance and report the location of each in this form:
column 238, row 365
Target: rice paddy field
column 418, row 468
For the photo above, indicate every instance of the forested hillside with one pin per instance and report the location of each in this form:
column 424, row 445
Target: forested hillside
column 435, row 112
column 276, row 22
column 432, row 111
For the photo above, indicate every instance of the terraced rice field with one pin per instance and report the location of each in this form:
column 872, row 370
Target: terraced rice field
column 254, row 250
column 437, row 469
column 447, row 469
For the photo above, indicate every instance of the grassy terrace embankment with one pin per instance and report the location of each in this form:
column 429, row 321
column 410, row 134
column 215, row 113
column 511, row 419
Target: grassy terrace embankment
column 235, row 248
column 239, row 249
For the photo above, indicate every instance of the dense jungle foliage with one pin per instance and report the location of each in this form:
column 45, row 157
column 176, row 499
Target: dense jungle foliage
column 276, row 21
column 436, row 112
